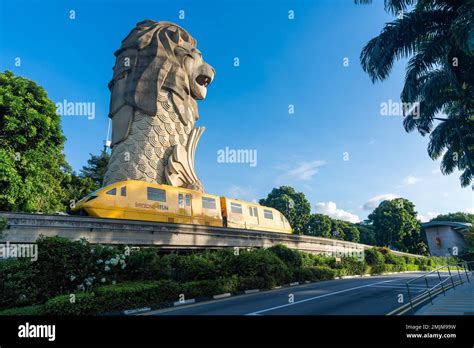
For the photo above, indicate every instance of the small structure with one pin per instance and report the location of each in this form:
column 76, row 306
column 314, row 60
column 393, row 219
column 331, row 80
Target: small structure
column 446, row 238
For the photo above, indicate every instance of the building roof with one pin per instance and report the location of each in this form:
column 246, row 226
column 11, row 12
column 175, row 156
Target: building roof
column 459, row 226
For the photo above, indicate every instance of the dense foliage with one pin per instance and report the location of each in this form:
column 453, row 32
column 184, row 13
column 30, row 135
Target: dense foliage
column 396, row 226
column 290, row 203
column 455, row 217
column 104, row 279
column 32, row 164
column 436, row 37
column 34, row 174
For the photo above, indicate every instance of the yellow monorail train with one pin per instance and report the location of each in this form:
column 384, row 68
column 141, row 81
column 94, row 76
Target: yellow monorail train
column 139, row 200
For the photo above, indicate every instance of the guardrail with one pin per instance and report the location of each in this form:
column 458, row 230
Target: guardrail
column 456, row 272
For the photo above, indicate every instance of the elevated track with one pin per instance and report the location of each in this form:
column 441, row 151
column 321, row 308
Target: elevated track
column 26, row 228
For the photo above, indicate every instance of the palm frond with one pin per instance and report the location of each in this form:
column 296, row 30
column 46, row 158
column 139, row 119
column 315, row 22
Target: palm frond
column 400, row 39
column 430, row 55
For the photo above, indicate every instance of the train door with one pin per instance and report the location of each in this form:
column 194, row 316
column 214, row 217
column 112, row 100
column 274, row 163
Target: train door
column 252, row 217
column 185, row 206
column 113, row 201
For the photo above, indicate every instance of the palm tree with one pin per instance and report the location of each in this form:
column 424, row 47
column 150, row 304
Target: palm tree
column 438, row 38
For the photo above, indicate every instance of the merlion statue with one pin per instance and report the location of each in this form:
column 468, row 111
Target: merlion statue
column 158, row 76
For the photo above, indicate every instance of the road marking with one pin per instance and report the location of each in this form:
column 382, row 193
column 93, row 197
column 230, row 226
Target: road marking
column 316, row 297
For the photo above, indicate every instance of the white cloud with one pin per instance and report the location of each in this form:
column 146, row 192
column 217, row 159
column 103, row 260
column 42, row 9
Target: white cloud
column 331, row 210
column 469, row 210
column 304, row 171
column 374, row 202
column 411, row 180
column 240, row 192
column 427, row 217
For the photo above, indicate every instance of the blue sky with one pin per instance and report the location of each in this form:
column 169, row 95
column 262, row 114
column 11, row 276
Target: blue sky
column 336, row 147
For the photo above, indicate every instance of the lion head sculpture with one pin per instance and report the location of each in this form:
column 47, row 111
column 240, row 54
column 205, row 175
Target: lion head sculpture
column 159, row 73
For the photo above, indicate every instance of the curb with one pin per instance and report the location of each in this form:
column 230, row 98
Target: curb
column 136, row 310
column 251, row 291
column 216, row 297
column 180, row 303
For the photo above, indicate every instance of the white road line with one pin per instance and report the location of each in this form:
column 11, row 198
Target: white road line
column 316, row 297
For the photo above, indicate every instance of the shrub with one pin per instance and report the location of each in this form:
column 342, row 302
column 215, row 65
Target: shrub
column 142, row 264
column 22, row 311
column 353, row 265
column 261, row 263
column 85, row 304
column 411, row 267
column 17, row 285
column 250, row 283
column 110, row 298
column 183, row 268
column 136, row 294
column 67, row 266
column 397, row 263
column 322, row 273
column 204, row 288
column 303, row 274
column 376, row 260
column 196, row 267
column 291, row 258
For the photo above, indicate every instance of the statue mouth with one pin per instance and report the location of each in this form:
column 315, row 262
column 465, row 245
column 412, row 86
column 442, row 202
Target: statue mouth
column 204, row 76
column 203, row 80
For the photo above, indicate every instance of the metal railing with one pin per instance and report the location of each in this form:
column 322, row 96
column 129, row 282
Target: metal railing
column 454, row 278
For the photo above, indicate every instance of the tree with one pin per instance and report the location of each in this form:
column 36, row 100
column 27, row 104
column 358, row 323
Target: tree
column 338, row 229
column 96, row 168
column 319, row 225
column 455, row 217
column 31, row 142
column 467, row 253
column 351, row 233
column 367, row 234
column 436, row 36
column 290, row 203
column 396, row 226
column 89, row 179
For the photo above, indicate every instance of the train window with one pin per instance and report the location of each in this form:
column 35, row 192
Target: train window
column 235, row 208
column 253, row 211
column 208, row 203
column 181, row 200
column 154, row 194
column 188, row 200
column 112, row 192
column 268, row 214
column 123, row 191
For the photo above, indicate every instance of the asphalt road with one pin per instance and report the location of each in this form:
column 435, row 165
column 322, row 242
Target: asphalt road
column 356, row 296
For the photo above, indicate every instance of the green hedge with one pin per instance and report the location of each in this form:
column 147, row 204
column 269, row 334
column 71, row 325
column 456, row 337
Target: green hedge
column 65, row 267
column 84, row 304
column 129, row 295
column 376, row 260
column 322, row 272
column 22, row 311
column 135, row 294
column 204, row 288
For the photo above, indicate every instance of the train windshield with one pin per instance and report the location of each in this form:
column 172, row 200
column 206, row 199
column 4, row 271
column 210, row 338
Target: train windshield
column 94, row 192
